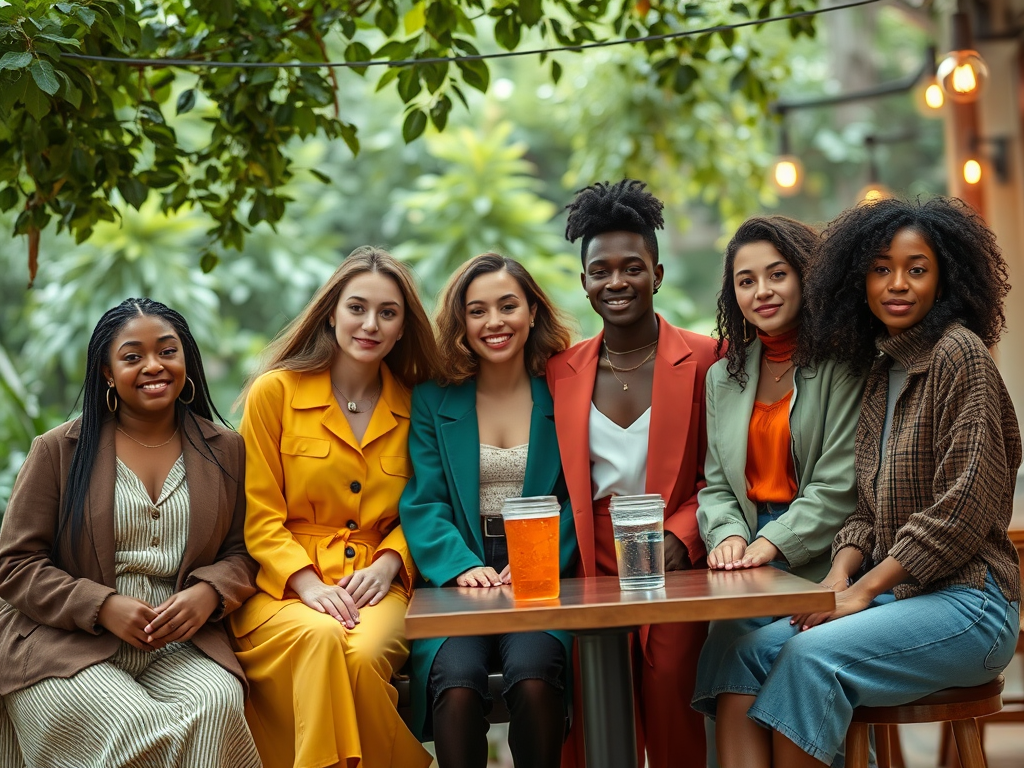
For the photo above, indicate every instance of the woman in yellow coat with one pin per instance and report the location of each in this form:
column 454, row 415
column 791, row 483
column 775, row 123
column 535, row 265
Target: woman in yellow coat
column 326, row 427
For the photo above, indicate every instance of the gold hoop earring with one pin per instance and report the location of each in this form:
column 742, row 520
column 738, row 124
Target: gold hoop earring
column 747, row 338
column 183, row 400
column 110, row 390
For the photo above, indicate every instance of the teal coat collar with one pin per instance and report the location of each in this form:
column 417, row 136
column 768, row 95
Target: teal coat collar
column 460, row 440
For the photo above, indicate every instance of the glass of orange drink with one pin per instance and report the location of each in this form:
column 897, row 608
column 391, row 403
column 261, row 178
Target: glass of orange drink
column 531, row 532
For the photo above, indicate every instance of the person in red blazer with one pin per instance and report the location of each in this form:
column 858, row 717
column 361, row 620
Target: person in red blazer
column 629, row 413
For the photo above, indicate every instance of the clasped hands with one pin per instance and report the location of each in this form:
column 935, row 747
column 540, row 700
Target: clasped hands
column 175, row 620
column 342, row 601
column 734, row 552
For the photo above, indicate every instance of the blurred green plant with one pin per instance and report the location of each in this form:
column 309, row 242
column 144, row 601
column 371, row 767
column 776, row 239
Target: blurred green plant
column 75, row 136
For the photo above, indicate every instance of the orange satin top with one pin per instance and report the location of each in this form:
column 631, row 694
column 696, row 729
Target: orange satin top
column 770, row 473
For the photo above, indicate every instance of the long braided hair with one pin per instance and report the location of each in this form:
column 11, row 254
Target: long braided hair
column 95, row 410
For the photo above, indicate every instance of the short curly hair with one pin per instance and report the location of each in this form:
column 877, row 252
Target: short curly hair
column 796, row 243
column 621, row 207
column 972, row 275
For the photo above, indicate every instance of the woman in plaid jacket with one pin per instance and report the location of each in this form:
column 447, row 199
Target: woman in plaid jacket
column 926, row 579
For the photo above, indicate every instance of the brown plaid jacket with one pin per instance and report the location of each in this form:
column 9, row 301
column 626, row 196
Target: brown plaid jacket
column 941, row 501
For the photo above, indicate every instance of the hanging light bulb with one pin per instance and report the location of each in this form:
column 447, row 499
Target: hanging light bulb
column 872, row 193
column 787, row 172
column 962, row 74
column 972, row 171
column 787, row 175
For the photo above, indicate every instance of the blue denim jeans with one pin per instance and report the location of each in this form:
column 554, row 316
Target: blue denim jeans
column 808, row 683
column 713, row 667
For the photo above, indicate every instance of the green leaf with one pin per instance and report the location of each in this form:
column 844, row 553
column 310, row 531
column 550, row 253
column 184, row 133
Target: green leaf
column 530, row 11
column 208, row 262
column 387, row 78
column 508, row 31
column 475, row 73
column 42, row 73
column 556, row 71
column 414, row 125
column 439, row 112
column 186, row 101
column 686, row 75
column 36, row 102
column 409, row 84
column 133, row 191
column 12, row 60
column 348, row 133
column 61, row 40
column 415, row 18
column 357, row 52
column 8, row 198
column 386, row 20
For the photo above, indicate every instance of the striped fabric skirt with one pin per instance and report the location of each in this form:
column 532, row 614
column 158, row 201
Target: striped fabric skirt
column 166, row 709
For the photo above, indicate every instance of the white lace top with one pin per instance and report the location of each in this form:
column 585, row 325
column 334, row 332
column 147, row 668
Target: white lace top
column 502, row 471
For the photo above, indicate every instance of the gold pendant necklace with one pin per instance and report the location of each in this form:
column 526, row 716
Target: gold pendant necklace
column 352, row 405
column 625, row 386
column 772, row 372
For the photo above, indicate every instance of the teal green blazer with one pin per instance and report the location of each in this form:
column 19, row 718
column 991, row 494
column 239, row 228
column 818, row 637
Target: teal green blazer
column 440, row 507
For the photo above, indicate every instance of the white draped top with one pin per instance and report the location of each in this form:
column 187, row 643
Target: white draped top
column 618, row 455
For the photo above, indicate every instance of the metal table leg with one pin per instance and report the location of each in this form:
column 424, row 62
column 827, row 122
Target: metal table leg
column 607, row 682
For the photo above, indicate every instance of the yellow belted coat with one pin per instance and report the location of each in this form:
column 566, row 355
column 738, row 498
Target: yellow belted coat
column 320, row 693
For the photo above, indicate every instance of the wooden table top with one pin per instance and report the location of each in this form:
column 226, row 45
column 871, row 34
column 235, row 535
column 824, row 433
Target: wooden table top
column 599, row 603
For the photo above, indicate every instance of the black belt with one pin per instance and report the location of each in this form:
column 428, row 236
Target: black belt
column 494, row 526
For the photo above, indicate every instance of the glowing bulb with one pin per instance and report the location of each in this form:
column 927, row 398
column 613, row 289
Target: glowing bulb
column 964, row 80
column 933, row 97
column 872, row 193
column 787, row 175
column 963, row 75
column 972, row 171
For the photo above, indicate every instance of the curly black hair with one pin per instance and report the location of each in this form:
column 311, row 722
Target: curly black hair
column 972, row 275
column 620, row 207
column 796, row 243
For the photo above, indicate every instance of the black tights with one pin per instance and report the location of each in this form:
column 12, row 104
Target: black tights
column 535, row 733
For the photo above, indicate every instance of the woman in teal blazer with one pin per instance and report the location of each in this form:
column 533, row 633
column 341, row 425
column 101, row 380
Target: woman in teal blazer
column 484, row 434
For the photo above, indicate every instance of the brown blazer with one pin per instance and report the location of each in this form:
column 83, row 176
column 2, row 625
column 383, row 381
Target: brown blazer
column 48, row 614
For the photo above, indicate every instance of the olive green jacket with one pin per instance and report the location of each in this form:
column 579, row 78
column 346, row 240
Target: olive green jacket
column 823, row 423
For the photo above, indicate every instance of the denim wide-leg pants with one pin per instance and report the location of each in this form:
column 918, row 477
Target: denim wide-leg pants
column 808, row 683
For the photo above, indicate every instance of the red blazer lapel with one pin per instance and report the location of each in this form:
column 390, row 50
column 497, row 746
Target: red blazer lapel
column 670, row 439
column 572, row 383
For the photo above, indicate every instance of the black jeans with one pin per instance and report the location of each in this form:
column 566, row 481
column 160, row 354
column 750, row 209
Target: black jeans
column 532, row 665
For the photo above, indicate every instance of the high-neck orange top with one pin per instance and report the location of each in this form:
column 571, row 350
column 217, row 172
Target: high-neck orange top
column 770, row 473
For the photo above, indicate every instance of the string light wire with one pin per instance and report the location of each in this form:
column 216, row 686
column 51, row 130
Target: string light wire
column 205, row 63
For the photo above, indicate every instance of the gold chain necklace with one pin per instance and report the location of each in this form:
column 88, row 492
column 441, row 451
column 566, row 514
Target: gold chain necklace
column 161, row 445
column 631, row 351
column 772, row 372
column 625, row 386
column 352, row 405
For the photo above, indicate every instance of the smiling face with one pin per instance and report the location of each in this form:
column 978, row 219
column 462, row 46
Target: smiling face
column 368, row 318
column 498, row 317
column 620, row 277
column 767, row 288
column 147, row 366
column 902, row 282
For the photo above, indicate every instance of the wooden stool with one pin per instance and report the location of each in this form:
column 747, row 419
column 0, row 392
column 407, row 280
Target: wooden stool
column 958, row 706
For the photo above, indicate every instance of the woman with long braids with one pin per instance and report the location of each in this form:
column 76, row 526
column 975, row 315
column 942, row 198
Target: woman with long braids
column 484, row 434
column 629, row 412
column 926, row 579
column 779, row 468
column 120, row 552
column 326, row 430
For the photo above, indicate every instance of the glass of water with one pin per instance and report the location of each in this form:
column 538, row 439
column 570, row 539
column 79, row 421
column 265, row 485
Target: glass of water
column 638, row 523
